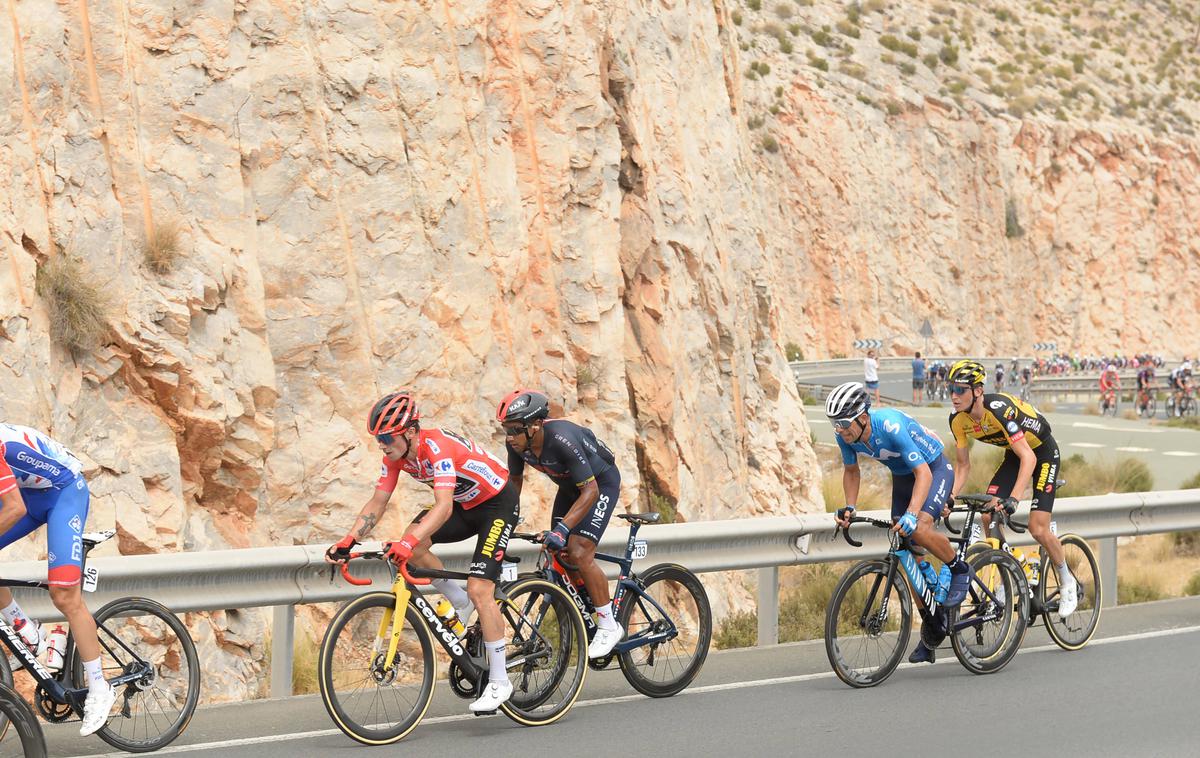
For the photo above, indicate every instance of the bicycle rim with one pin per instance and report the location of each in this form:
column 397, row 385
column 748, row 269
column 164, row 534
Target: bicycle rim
column 371, row 701
column 1075, row 630
column 865, row 644
column 137, row 634
column 988, row 627
column 26, row 738
column 661, row 669
column 546, row 651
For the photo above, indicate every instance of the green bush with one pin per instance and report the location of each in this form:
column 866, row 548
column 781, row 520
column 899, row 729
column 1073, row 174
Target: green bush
column 818, row 63
column 739, row 629
column 1012, row 225
column 1186, row 543
column 664, row 507
column 76, row 302
column 793, row 352
column 1193, row 585
column 847, row 29
column 737, row 18
column 1191, row 484
column 784, row 10
column 823, row 38
column 1102, row 476
column 895, row 44
column 754, row 5
column 801, row 610
column 893, row 108
column 907, row 68
column 931, row 61
column 948, row 55
column 770, row 144
column 161, row 249
column 1138, row 590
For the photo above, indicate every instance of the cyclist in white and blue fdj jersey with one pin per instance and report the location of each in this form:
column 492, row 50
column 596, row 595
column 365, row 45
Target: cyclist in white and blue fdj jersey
column 921, row 479
column 41, row 484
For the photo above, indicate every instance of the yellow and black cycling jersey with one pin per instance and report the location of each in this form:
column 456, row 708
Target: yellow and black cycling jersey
column 1006, row 419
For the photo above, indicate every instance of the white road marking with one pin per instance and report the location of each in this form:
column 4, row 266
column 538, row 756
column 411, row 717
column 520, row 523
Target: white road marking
column 627, row 698
column 1134, row 449
column 1107, row 428
column 1085, row 444
column 1181, row 453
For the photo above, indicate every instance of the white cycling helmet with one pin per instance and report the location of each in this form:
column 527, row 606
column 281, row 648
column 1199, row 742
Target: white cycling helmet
column 848, row 400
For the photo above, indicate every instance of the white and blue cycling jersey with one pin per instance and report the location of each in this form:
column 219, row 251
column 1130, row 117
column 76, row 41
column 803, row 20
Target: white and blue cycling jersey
column 897, row 440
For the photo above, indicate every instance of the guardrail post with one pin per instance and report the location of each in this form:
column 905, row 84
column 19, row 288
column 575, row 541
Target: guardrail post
column 283, row 631
column 1108, row 571
column 768, row 605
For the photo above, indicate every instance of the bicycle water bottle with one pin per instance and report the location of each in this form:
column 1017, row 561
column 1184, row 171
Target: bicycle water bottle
column 1021, row 559
column 445, row 611
column 1035, row 570
column 56, row 645
column 943, row 585
column 931, row 577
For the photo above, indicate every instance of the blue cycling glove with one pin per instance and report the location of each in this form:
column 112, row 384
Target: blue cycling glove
column 556, row 538
column 908, row 524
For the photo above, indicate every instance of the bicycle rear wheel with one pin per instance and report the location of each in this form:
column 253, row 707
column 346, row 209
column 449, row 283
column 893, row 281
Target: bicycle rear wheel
column 142, row 636
column 371, row 701
column 864, row 637
column 26, row 739
column 546, row 651
column 663, row 668
column 1075, row 630
column 987, row 630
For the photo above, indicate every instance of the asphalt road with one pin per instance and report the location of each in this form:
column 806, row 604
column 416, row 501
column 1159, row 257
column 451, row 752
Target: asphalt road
column 1132, row 691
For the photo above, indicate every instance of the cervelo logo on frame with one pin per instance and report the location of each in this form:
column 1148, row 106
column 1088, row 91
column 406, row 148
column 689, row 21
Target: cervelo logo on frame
column 435, row 622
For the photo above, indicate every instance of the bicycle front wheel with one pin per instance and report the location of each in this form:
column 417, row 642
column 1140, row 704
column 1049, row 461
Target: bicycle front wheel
column 987, row 630
column 141, row 636
column 672, row 603
column 1074, row 631
column 546, row 651
column 372, row 700
column 30, row 741
column 867, row 624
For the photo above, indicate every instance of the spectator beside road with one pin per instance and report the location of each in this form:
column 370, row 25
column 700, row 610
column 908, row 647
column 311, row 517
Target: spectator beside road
column 871, row 374
column 918, row 368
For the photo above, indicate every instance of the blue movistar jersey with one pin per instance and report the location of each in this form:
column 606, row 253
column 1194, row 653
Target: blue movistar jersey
column 897, row 440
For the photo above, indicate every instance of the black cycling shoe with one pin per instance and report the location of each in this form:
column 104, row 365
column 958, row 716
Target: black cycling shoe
column 922, row 654
column 959, row 584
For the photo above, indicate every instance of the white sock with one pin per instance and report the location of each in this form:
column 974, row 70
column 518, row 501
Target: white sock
column 1064, row 573
column 496, row 661
column 95, row 675
column 605, row 618
column 21, row 623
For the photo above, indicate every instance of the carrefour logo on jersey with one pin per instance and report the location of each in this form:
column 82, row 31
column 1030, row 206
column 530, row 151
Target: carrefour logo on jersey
column 444, row 466
column 38, row 464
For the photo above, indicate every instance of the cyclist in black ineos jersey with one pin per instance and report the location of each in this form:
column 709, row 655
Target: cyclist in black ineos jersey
column 588, row 487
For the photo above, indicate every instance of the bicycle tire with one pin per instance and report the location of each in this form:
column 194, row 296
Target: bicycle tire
column 975, row 655
column 556, row 654
column 363, row 619
column 1075, row 631
column 21, row 717
column 860, row 608
column 6, row 678
column 636, row 661
column 146, row 622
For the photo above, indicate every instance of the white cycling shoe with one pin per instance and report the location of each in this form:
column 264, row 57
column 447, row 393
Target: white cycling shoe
column 96, row 708
column 604, row 641
column 1068, row 598
column 493, row 695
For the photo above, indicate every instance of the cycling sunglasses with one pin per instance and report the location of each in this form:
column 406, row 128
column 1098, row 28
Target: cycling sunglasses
column 958, row 389
column 513, row 431
column 841, row 424
column 386, row 439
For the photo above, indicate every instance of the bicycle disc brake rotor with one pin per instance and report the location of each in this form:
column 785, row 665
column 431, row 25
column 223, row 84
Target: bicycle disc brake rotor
column 49, row 708
column 381, row 675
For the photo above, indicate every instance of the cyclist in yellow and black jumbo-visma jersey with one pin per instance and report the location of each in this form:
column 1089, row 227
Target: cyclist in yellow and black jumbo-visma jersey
column 1030, row 455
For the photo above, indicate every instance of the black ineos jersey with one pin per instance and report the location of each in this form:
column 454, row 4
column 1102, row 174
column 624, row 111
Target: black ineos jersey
column 571, row 454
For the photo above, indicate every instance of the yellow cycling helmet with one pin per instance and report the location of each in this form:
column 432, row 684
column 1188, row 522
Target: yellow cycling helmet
column 967, row 371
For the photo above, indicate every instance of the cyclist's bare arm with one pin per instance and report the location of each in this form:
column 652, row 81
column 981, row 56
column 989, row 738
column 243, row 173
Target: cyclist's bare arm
column 851, row 478
column 12, row 510
column 962, row 469
column 443, row 506
column 370, row 514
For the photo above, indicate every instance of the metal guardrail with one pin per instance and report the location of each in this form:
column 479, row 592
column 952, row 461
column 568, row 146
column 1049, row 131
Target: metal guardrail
column 284, row 577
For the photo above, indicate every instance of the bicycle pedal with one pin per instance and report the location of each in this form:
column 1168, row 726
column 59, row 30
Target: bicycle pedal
column 483, row 713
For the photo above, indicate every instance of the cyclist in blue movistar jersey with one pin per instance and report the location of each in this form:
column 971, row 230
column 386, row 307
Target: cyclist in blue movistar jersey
column 41, row 483
column 921, row 479
column 588, row 487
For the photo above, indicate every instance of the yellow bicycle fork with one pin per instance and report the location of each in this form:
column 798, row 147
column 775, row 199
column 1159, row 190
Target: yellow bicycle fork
column 397, row 612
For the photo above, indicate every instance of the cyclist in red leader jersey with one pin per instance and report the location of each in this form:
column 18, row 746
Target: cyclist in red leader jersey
column 473, row 497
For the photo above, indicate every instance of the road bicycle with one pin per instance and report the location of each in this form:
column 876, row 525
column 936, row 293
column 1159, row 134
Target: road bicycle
column 664, row 611
column 1073, row 632
column 1147, row 403
column 146, row 654
column 1109, row 402
column 1180, row 403
column 24, row 726
column 866, row 636
column 377, row 670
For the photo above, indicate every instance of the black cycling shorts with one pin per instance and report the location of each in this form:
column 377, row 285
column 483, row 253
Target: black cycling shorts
column 1045, row 474
column 491, row 523
column 594, row 523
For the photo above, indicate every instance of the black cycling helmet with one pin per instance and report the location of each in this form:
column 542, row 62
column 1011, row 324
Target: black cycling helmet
column 523, row 406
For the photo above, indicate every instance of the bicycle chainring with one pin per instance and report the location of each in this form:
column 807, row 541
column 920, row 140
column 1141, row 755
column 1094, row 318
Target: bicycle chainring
column 462, row 685
column 599, row 664
column 50, row 709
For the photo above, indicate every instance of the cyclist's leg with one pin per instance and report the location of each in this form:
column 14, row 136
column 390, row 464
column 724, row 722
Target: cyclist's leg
column 494, row 522
column 926, row 534
column 1044, row 476
column 8, row 605
column 455, row 529
column 64, row 543
column 581, row 546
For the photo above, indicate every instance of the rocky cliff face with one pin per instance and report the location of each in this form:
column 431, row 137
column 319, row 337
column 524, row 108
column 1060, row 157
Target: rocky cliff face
column 466, row 197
